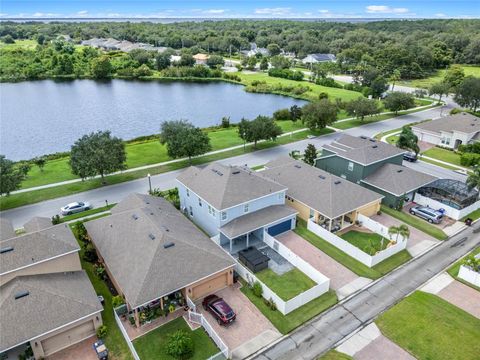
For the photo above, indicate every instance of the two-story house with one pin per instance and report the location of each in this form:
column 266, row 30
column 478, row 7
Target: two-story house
column 373, row 164
column 450, row 131
column 235, row 205
column 46, row 299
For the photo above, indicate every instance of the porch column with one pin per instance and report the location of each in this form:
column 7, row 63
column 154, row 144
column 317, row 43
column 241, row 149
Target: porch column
column 343, row 219
column 231, row 246
column 248, row 237
column 137, row 318
column 161, row 302
column 330, row 225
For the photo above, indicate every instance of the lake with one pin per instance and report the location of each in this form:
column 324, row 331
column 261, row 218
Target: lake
column 44, row 117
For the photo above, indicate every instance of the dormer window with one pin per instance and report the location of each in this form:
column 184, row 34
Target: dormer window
column 188, row 192
column 199, row 202
column 224, row 215
column 245, row 208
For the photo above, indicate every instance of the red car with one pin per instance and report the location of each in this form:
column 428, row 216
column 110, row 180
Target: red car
column 219, row 309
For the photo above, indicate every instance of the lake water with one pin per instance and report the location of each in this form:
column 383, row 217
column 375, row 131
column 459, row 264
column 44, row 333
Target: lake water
column 44, row 117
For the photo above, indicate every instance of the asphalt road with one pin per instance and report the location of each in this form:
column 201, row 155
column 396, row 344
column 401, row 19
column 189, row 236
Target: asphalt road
column 115, row 193
column 324, row 332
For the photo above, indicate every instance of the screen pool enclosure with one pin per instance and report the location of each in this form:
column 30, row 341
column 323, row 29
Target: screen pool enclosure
column 453, row 193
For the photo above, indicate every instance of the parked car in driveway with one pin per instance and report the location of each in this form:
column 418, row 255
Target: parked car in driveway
column 220, row 310
column 75, row 207
column 427, row 213
column 101, row 350
column 411, row 157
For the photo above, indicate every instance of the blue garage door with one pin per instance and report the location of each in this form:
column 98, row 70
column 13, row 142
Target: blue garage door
column 280, row 228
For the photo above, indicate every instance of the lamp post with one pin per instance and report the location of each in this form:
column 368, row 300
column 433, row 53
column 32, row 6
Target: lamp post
column 150, row 183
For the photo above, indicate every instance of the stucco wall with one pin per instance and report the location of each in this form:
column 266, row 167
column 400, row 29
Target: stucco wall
column 69, row 262
column 369, row 210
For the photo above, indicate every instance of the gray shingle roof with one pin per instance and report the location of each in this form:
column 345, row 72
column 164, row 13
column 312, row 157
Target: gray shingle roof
column 330, row 195
column 131, row 242
column 256, row 220
column 54, row 300
column 37, row 223
column 31, row 248
column 462, row 122
column 6, row 229
column 226, row 186
column 397, row 179
column 362, row 149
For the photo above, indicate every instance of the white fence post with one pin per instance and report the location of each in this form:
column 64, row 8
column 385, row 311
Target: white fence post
column 198, row 318
column 125, row 335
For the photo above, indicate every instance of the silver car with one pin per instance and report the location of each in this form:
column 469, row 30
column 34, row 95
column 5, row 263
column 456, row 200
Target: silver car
column 75, row 207
column 427, row 213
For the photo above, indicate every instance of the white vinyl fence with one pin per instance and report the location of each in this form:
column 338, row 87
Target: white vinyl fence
column 451, row 212
column 353, row 251
column 198, row 318
column 125, row 335
column 468, row 274
column 288, row 306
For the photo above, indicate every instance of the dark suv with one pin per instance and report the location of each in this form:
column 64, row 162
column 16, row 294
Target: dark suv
column 220, row 310
column 411, row 157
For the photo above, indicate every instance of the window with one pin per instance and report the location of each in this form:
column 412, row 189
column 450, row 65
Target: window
column 188, row 192
column 350, row 166
column 343, row 176
column 199, row 202
column 280, row 196
column 224, row 215
column 213, row 212
column 245, row 208
column 191, row 211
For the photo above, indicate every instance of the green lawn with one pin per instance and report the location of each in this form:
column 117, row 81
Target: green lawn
column 31, row 197
column 335, row 355
column 27, row 44
column 286, row 323
column 416, row 222
column 151, row 346
column 114, row 340
column 438, row 76
column 455, row 268
column 312, row 94
column 449, row 156
column 287, row 285
column 430, row 328
column 369, row 243
column 474, row 215
column 86, row 213
column 357, row 267
column 449, row 167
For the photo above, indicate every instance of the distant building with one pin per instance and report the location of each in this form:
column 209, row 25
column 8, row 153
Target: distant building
column 254, row 50
column 200, row 59
column 111, row 44
column 450, row 131
column 318, row 58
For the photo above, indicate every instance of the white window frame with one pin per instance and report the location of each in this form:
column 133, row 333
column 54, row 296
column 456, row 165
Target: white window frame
column 350, row 166
column 188, row 192
column 224, row 215
column 199, row 202
column 191, row 211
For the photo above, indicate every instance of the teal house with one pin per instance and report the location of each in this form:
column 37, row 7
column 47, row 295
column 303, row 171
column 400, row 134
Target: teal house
column 373, row 164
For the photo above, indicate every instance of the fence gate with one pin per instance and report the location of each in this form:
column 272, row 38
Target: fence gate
column 195, row 317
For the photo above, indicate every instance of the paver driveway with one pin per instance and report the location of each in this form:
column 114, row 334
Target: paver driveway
column 250, row 331
column 463, row 296
column 83, row 350
column 338, row 274
column 382, row 348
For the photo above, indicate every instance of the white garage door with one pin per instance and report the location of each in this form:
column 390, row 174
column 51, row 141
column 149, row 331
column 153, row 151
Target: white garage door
column 68, row 337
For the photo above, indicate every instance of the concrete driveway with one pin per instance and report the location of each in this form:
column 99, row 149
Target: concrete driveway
column 342, row 280
column 83, row 350
column 250, row 331
column 418, row 241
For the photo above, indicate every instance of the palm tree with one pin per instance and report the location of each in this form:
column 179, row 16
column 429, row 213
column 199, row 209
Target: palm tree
column 401, row 230
column 473, row 180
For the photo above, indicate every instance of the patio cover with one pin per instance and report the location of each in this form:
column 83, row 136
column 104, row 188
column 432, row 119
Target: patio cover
column 256, row 220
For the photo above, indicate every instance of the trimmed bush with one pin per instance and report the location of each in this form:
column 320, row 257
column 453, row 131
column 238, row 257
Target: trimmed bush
column 286, row 74
column 117, row 301
column 102, row 331
column 282, row 114
column 257, row 289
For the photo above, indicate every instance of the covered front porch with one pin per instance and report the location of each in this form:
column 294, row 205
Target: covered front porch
column 334, row 224
column 248, row 230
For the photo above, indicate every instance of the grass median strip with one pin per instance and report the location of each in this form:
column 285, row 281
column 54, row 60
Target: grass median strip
column 416, row 222
column 31, row 197
column 287, row 285
column 429, row 327
column 349, row 262
column 287, row 323
column 86, row 213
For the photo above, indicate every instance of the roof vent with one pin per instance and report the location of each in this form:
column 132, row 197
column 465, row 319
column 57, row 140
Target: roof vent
column 337, row 182
column 6, row 249
column 372, row 140
column 235, row 172
column 151, row 236
column 168, row 245
column 375, row 146
column 297, row 166
column 321, row 176
column 134, row 217
column 399, row 170
column 21, row 294
column 363, row 137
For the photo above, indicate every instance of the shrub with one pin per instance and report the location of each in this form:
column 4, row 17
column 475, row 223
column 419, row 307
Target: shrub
column 80, row 232
column 102, row 331
column 180, row 345
column 257, row 289
column 272, row 304
column 56, row 219
column 282, row 114
column 470, row 159
column 117, row 301
column 100, row 271
column 329, row 82
column 355, row 87
column 455, row 111
column 226, row 122
column 90, row 254
column 286, row 74
column 233, row 77
column 322, row 95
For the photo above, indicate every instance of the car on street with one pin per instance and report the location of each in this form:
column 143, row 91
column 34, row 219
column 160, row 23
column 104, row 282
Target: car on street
column 220, row 310
column 427, row 213
column 75, row 207
column 409, row 156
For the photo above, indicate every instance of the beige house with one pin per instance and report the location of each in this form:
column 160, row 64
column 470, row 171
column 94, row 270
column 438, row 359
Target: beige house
column 329, row 200
column 46, row 299
column 152, row 252
column 200, row 59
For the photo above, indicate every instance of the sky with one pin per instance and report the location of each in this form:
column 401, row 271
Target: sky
column 239, row 9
